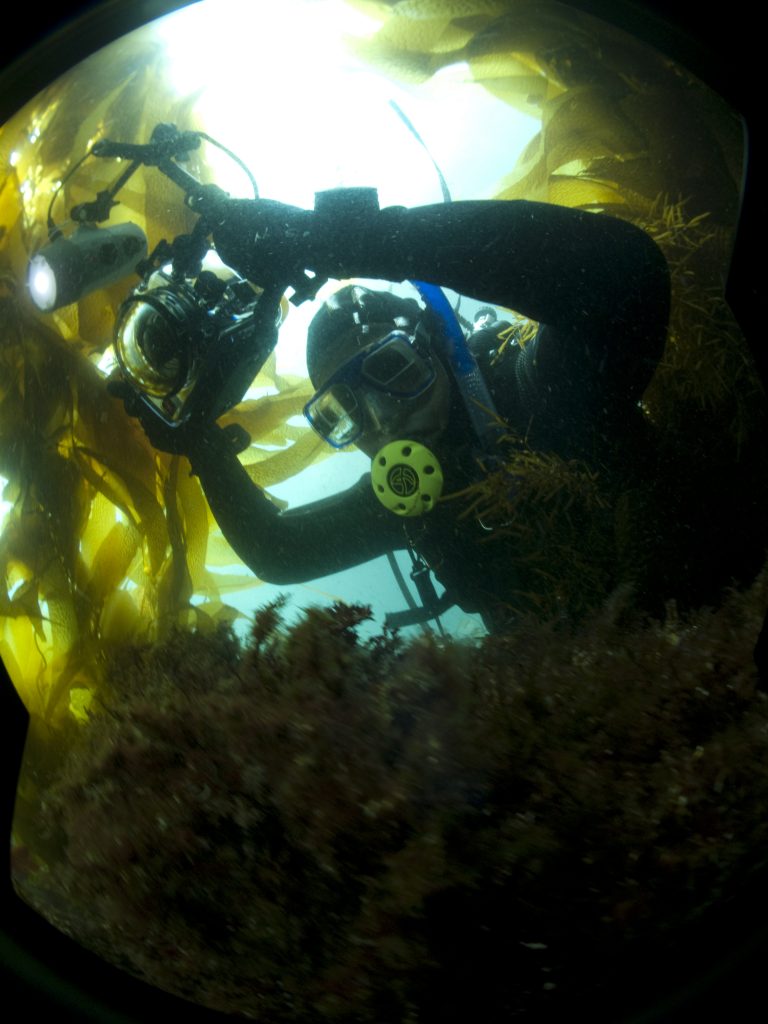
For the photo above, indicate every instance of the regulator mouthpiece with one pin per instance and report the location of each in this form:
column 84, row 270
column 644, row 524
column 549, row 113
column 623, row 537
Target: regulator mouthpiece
column 407, row 478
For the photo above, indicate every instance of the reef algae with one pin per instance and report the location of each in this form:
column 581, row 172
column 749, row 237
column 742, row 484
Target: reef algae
column 313, row 827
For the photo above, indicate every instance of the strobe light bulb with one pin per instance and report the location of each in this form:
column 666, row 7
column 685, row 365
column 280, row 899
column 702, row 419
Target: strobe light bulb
column 91, row 258
column 42, row 282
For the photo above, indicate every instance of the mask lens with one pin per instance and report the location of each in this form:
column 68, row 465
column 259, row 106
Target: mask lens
column 397, row 368
column 335, row 415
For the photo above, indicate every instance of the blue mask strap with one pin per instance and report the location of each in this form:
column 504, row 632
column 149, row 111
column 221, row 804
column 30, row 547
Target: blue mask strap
column 457, row 353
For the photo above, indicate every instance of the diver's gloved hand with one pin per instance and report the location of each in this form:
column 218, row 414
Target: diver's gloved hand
column 199, row 442
column 273, row 244
column 264, row 240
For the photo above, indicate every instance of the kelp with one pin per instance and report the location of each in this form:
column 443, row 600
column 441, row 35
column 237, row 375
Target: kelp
column 553, row 521
column 98, row 519
column 412, row 830
column 106, row 540
column 707, row 370
column 619, row 121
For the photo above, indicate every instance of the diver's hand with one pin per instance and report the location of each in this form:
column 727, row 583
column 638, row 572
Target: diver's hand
column 200, row 442
column 176, row 440
column 264, row 240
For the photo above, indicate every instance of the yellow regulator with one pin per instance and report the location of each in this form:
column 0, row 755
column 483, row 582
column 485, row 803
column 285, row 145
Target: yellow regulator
column 407, row 478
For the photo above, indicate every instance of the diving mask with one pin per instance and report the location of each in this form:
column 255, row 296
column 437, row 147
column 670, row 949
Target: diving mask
column 390, row 368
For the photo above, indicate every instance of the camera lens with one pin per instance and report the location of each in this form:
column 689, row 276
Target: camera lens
column 152, row 342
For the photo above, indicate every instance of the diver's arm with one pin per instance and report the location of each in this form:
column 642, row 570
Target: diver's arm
column 562, row 267
column 556, row 265
column 300, row 544
column 597, row 285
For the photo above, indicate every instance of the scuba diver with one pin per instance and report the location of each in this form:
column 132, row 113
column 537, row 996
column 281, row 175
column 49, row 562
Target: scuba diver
column 398, row 379
column 484, row 317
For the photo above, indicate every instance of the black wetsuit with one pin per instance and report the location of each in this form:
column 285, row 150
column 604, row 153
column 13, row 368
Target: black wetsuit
column 599, row 288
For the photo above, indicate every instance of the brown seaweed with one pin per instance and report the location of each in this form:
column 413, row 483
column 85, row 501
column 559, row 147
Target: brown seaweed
column 352, row 830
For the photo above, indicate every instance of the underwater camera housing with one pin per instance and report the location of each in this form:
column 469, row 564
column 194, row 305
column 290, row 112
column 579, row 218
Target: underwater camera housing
column 191, row 337
column 190, row 346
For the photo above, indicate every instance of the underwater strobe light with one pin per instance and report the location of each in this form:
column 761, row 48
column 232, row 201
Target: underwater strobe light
column 92, row 257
